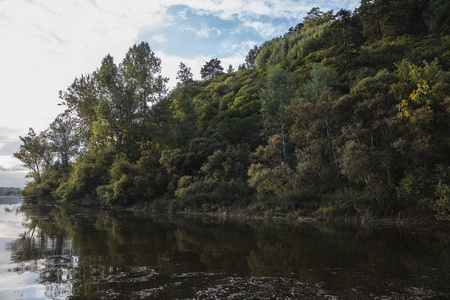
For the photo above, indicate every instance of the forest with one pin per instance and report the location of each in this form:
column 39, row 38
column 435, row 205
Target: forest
column 345, row 115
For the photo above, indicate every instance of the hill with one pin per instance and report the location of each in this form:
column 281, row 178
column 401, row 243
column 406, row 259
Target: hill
column 347, row 114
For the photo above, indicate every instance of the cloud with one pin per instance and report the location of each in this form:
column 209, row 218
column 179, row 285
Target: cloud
column 159, row 38
column 11, row 178
column 9, row 140
column 266, row 30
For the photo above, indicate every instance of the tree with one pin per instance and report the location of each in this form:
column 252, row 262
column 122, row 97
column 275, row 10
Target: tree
column 276, row 94
column 321, row 78
column 125, row 94
column 437, row 17
column 64, row 139
column 184, row 75
column 230, row 69
column 211, row 69
column 389, row 18
column 183, row 116
column 347, row 37
column 35, row 153
column 81, row 99
column 316, row 17
column 250, row 59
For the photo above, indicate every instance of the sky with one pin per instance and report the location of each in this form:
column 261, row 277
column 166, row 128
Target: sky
column 46, row 44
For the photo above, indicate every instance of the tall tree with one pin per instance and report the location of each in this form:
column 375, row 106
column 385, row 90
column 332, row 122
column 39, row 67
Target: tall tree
column 316, row 17
column 126, row 93
column 250, row 59
column 35, row 153
column 347, row 37
column 276, row 94
column 182, row 107
column 184, row 75
column 64, row 139
column 211, row 69
column 81, row 99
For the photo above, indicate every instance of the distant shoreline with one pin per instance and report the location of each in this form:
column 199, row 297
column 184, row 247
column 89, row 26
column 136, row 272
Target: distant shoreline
column 10, row 200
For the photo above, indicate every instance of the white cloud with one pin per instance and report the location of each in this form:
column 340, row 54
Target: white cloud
column 170, row 65
column 266, row 30
column 159, row 38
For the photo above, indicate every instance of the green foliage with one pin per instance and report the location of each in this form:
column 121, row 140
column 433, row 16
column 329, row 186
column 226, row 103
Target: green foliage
column 211, row 69
column 313, row 40
column 321, row 78
column 437, row 17
column 129, row 182
column 87, row 174
column 268, row 173
column 344, row 115
column 125, row 92
column 383, row 19
column 427, row 189
column 315, row 17
column 64, row 139
column 421, row 81
column 228, row 165
column 274, row 180
column 35, row 153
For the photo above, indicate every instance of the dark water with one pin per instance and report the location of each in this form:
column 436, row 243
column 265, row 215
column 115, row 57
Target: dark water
column 56, row 253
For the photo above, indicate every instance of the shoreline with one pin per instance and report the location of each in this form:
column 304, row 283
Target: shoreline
column 418, row 223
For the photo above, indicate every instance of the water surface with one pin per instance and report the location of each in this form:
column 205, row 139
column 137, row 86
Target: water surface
column 59, row 253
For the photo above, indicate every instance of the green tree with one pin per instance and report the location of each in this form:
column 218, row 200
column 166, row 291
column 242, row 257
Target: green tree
column 421, row 80
column 62, row 133
column 437, row 17
column 268, row 173
column 316, row 17
column 250, row 59
column 126, row 92
column 182, row 110
column 211, row 69
column 81, row 99
column 314, row 132
column 347, row 38
column 89, row 172
column 35, row 153
column 184, row 75
column 321, row 78
column 276, row 94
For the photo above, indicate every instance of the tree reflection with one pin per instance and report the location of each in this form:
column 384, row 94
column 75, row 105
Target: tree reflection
column 84, row 252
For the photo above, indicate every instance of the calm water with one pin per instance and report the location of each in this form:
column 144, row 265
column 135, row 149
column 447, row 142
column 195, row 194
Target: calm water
column 56, row 253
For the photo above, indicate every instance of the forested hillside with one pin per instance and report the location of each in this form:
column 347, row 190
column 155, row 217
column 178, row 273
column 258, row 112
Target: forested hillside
column 347, row 114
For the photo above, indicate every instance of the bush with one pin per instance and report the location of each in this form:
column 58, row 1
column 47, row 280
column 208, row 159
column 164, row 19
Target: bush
column 427, row 189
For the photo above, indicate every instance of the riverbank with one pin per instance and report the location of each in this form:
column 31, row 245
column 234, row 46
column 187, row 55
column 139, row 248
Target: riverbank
column 413, row 220
column 254, row 210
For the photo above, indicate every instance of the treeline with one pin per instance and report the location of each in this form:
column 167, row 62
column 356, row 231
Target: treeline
column 348, row 113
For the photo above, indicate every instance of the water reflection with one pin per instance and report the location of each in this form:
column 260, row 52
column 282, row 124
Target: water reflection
column 104, row 254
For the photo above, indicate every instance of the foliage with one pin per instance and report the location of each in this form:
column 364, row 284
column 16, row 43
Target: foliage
column 347, row 114
column 35, row 154
column 427, row 189
column 211, row 69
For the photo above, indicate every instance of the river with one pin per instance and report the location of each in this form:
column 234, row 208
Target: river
column 50, row 252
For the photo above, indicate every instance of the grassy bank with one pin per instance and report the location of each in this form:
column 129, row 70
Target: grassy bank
column 274, row 208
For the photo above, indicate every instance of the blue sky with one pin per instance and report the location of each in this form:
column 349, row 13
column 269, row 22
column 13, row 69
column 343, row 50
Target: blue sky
column 45, row 44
